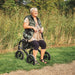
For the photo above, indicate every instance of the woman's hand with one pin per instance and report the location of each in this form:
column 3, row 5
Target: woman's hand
column 35, row 29
column 41, row 30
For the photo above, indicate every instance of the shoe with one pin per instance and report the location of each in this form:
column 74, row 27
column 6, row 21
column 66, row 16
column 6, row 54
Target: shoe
column 42, row 60
column 36, row 62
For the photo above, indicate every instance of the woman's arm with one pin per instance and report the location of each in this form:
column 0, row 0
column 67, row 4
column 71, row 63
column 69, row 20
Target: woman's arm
column 26, row 25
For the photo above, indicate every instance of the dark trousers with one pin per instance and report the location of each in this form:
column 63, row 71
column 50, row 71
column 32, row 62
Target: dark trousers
column 35, row 44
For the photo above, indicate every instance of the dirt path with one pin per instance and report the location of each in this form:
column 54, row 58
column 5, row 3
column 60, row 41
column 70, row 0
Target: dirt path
column 56, row 69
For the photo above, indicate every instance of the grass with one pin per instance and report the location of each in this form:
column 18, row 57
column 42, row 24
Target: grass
column 61, row 55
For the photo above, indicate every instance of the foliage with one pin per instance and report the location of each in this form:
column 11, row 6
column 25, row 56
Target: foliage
column 2, row 2
column 47, row 5
column 9, row 5
column 58, row 29
column 11, row 29
column 67, row 7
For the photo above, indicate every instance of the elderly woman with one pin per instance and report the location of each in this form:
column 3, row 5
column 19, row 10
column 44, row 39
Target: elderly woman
column 33, row 31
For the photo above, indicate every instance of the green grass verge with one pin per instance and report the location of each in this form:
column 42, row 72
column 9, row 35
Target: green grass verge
column 9, row 63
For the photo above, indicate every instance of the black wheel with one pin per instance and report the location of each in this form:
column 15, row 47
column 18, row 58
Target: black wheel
column 47, row 56
column 31, row 59
column 19, row 54
column 31, row 51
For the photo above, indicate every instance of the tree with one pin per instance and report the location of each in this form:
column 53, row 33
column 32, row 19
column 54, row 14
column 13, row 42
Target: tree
column 9, row 5
column 65, row 6
column 1, row 3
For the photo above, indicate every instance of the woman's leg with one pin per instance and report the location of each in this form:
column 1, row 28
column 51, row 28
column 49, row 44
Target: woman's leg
column 35, row 45
column 42, row 44
column 42, row 53
column 35, row 53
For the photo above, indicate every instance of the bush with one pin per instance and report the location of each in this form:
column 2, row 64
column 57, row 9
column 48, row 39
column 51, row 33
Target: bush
column 59, row 29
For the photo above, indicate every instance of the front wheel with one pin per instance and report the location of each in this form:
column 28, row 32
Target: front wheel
column 19, row 54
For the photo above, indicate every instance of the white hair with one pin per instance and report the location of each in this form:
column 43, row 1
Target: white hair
column 31, row 10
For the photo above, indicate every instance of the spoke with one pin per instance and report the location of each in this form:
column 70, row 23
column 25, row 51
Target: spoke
column 30, row 59
column 20, row 55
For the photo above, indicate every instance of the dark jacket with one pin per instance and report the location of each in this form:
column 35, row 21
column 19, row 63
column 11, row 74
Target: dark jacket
column 28, row 33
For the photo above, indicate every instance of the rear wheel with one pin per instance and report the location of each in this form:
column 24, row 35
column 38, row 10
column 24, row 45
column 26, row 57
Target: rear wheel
column 47, row 56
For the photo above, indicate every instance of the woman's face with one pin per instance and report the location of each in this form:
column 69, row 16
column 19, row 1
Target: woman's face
column 35, row 13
